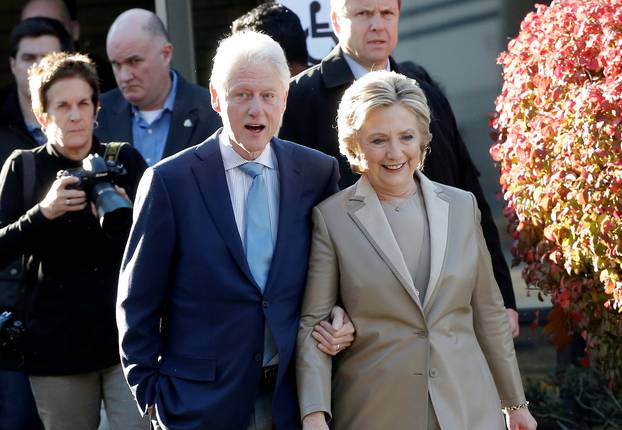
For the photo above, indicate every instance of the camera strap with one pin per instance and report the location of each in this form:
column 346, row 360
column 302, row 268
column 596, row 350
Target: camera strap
column 112, row 151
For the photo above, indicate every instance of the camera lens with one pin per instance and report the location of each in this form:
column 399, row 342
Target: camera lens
column 113, row 210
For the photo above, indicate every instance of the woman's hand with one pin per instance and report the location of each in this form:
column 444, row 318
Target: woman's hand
column 513, row 320
column 520, row 419
column 314, row 421
column 59, row 200
column 337, row 336
column 119, row 190
column 122, row 191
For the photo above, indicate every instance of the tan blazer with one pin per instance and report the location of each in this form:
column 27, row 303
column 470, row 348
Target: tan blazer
column 454, row 345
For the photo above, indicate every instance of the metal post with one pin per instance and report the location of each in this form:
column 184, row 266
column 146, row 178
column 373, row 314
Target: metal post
column 177, row 17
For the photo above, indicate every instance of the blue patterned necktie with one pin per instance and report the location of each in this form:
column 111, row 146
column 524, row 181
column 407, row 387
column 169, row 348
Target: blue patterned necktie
column 258, row 236
column 258, row 239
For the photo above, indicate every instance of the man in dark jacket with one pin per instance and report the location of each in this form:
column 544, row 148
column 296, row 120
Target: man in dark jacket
column 368, row 33
column 282, row 25
column 154, row 108
column 30, row 40
column 65, row 11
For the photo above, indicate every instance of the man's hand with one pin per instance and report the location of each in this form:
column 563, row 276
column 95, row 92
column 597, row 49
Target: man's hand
column 336, row 336
column 314, row 421
column 513, row 319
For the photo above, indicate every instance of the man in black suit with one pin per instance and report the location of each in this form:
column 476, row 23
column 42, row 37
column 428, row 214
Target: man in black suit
column 30, row 40
column 65, row 11
column 154, row 108
column 283, row 26
column 368, row 32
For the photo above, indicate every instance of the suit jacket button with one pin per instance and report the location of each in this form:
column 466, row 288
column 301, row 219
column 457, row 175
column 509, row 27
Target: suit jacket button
column 265, row 304
column 433, row 373
column 258, row 357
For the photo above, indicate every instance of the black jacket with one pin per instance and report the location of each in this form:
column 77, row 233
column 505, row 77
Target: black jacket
column 13, row 135
column 193, row 119
column 311, row 120
column 72, row 268
column 13, row 132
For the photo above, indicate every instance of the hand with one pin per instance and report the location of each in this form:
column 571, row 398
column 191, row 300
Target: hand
column 513, row 319
column 119, row 190
column 122, row 191
column 337, row 336
column 520, row 419
column 314, row 421
column 151, row 412
column 59, row 200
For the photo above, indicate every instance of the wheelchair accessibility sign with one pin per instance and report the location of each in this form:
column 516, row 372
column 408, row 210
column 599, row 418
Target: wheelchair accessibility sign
column 315, row 18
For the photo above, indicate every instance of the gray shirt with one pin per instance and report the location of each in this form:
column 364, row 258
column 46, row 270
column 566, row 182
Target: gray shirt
column 409, row 223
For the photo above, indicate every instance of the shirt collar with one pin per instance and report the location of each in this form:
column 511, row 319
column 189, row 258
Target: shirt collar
column 31, row 126
column 358, row 70
column 170, row 98
column 232, row 159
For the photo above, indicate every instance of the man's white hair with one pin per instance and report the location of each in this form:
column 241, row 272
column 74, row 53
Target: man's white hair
column 247, row 48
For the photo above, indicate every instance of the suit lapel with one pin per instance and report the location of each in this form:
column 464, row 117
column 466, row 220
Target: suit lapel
column 184, row 120
column 437, row 208
column 368, row 215
column 335, row 69
column 211, row 179
column 290, row 186
column 123, row 121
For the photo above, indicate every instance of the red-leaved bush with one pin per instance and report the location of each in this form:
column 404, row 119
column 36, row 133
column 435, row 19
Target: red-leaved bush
column 558, row 131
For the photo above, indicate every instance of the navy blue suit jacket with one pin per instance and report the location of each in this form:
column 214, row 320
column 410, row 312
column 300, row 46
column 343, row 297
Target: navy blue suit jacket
column 193, row 120
column 191, row 318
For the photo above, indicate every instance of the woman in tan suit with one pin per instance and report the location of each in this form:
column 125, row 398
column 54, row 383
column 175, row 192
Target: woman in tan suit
column 407, row 259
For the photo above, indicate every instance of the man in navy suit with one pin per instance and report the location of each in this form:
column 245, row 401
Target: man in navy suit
column 154, row 108
column 214, row 271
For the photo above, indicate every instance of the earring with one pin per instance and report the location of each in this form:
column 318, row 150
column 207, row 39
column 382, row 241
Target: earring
column 95, row 124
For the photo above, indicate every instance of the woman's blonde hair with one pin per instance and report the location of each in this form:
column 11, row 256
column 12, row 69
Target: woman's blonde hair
column 373, row 91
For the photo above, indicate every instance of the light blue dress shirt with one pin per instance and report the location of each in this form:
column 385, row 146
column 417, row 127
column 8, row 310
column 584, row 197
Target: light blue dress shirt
column 36, row 133
column 150, row 139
